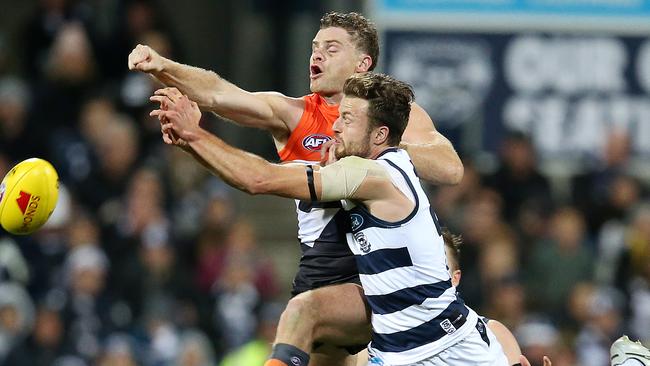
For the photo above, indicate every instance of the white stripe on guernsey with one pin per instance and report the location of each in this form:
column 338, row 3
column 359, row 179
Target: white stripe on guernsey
column 414, row 315
column 311, row 224
column 400, row 278
column 398, row 179
column 423, row 352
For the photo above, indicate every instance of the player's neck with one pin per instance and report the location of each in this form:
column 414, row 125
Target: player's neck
column 333, row 99
column 377, row 150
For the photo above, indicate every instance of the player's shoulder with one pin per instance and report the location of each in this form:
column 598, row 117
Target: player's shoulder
column 288, row 109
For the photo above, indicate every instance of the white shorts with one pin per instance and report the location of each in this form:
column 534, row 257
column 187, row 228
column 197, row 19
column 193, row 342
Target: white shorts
column 470, row 351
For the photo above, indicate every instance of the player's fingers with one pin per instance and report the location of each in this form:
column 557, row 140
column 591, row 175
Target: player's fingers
column 165, row 101
column 172, row 93
column 325, row 151
column 162, row 99
column 167, row 127
column 157, row 98
column 162, row 91
column 167, row 139
column 163, row 115
column 332, row 155
column 175, row 95
column 133, row 58
column 524, row 361
column 325, row 148
column 157, row 113
column 547, row 361
column 141, row 62
column 139, row 54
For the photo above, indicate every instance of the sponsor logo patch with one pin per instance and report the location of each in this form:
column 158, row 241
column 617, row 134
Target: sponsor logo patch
column 23, row 201
column 2, row 191
column 447, row 326
column 314, row 142
column 28, row 204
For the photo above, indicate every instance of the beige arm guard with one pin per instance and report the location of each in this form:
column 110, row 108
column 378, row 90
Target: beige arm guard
column 342, row 179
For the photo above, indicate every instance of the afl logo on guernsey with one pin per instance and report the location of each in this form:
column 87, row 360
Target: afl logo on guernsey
column 315, row 141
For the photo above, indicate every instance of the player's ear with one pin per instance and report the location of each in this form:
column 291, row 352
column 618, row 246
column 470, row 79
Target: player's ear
column 455, row 277
column 381, row 135
column 364, row 64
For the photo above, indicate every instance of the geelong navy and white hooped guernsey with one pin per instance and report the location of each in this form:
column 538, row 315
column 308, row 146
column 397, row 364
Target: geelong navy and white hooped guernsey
column 416, row 312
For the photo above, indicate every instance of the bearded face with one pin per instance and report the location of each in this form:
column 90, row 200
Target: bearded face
column 352, row 129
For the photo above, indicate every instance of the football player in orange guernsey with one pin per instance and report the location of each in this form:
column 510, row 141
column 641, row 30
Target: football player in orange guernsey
column 327, row 277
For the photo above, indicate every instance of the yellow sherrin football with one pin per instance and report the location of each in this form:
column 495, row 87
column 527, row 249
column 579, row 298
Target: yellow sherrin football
column 28, row 195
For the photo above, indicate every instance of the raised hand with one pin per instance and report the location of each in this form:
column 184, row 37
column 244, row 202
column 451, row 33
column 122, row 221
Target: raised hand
column 327, row 155
column 179, row 117
column 144, row 58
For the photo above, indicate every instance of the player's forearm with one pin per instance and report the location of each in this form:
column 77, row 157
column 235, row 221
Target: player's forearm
column 239, row 169
column 436, row 162
column 198, row 84
column 215, row 94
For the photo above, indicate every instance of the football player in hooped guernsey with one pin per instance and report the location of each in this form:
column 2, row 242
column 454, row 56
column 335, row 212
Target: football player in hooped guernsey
column 345, row 44
column 417, row 316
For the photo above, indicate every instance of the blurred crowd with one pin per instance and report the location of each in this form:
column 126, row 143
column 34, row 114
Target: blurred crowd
column 565, row 265
column 146, row 260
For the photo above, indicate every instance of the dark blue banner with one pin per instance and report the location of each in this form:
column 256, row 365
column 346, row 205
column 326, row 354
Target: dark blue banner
column 567, row 91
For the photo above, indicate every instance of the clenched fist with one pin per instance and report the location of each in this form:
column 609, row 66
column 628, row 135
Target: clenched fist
column 144, row 58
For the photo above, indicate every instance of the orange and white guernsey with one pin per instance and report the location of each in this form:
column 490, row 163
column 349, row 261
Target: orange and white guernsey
column 312, row 131
column 326, row 258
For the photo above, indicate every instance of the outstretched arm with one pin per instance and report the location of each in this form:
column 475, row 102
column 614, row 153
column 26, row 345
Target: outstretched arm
column 242, row 170
column 350, row 178
column 267, row 110
column 432, row 154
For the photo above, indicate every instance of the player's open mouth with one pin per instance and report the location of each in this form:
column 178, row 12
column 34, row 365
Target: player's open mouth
column 315, row 71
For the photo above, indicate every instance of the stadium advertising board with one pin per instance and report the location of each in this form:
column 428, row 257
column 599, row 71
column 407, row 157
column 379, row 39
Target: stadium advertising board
column 566, row 87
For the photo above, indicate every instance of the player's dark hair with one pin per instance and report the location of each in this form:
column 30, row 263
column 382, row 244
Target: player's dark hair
column 453, row 243
column 389, row 101
column 363, row 32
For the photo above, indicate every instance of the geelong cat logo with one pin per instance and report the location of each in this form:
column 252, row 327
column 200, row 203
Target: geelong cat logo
column 315, row 141
column 357, row 221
